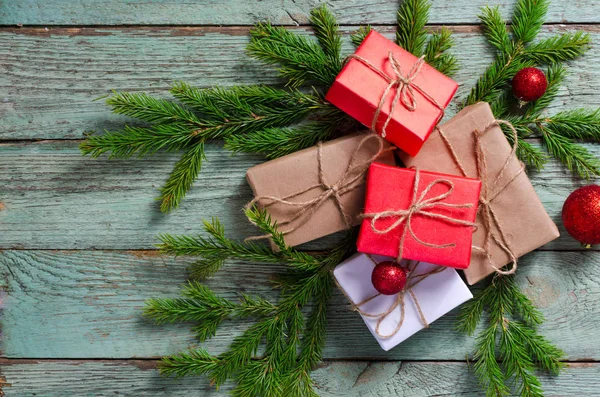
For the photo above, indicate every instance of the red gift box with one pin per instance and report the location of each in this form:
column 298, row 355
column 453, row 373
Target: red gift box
column 436, row 218
column 359, row 88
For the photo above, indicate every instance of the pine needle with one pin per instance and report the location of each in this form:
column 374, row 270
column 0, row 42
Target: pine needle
column 565, row 47
column 528, row 19
column 182, row 178
column 495, row 30
column 327, row 32
column 412, row 18
column 300, row 59
column 358, row 36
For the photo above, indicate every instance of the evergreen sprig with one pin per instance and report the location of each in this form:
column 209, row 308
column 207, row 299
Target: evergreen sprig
column 290, row 333
column 252, row 119
column 509, row 349
column 518, row 50
column 412, row 35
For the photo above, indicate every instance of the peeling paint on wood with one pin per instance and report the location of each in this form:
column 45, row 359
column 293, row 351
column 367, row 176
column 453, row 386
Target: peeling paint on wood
column 70, row 303
column 51, row 78
column 241, row 12
column 335, row 378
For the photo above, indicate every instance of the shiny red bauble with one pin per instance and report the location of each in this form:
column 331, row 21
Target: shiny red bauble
column 581, row 215
column 529, row 84
column 388, row 278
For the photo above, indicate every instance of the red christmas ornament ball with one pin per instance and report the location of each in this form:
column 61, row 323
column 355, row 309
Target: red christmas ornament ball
column 388, row 278
column 581, row 215
column 529, row 84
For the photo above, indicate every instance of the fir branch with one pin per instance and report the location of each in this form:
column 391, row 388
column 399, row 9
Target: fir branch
column 241, row 102
column 531, row 155
column 492, row 83
column 436, row 52
column 528, row 19
column 555, row 76
column 193, row 362
column 491, row 376
column 240, row 352
column 182, row 177
column 301, row 60
column 547, row 355
column 565, row 47
column 579, row 124
column 575, row 157
column 292, row 347
column 147, row 108
column 412, row 18
column 513, row 343
column 494, row 29
column 472, row 311
column 140, row 141
column 358, row 36
column 278, row 142
column 327, row 32
column 518, row 363
column 216, row 247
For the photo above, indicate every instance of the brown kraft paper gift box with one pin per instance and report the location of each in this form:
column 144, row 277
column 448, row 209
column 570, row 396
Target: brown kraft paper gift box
column 285, row 177
column 520, row 212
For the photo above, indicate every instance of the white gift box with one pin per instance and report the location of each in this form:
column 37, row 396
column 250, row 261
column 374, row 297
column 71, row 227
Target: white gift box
column 437, row 294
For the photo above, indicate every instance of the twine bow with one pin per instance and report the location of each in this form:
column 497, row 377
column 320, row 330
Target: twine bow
column 352, row 178
column 413, row 279
column 420, row 206
column 489, row 191
column 405, row 89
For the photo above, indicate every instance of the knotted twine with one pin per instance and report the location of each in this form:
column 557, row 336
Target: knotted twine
column 412, row 280
column 405, row 89
column 352, row 178
column 420, row 206
column 489, row 191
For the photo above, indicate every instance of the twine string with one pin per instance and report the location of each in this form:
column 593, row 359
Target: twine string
column 420, row 206
column 352, row 178
column 405, row 89
column 489, row 191
column 413, row 279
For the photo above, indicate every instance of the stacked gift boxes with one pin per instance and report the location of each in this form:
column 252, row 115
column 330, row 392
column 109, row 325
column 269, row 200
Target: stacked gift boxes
column 464, row 202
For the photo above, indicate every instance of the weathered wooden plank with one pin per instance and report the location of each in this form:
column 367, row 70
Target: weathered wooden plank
column 51, row 78
column 52, row 198
column 240, row 12
column 337, row 378
column 87, row 304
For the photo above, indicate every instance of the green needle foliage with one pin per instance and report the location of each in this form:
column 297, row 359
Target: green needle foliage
column 517, row 50
column 251, row 119
column 509, row 349
column 275, row 355
column 412, row 35
column 289, row 334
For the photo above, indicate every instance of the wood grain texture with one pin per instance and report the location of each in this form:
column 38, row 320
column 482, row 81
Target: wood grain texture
column 241, row 12
column 336, row 378
column 53, row 198
column 51, row 77
column 87, row 304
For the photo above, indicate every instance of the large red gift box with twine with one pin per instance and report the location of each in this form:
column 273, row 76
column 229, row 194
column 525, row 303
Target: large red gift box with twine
column 419, row 215
column 393, row 92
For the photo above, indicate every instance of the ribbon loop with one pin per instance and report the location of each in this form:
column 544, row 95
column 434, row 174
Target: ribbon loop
column 419, row 206
column 412, row 280
column 405, row 89
column 490, row 189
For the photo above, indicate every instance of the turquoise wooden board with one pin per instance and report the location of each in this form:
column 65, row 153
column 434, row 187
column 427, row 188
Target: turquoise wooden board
column 52, row 77
column 55, row 199
column 333, row 379
column 87, row 304
column 242, row 12
column 75, row 269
